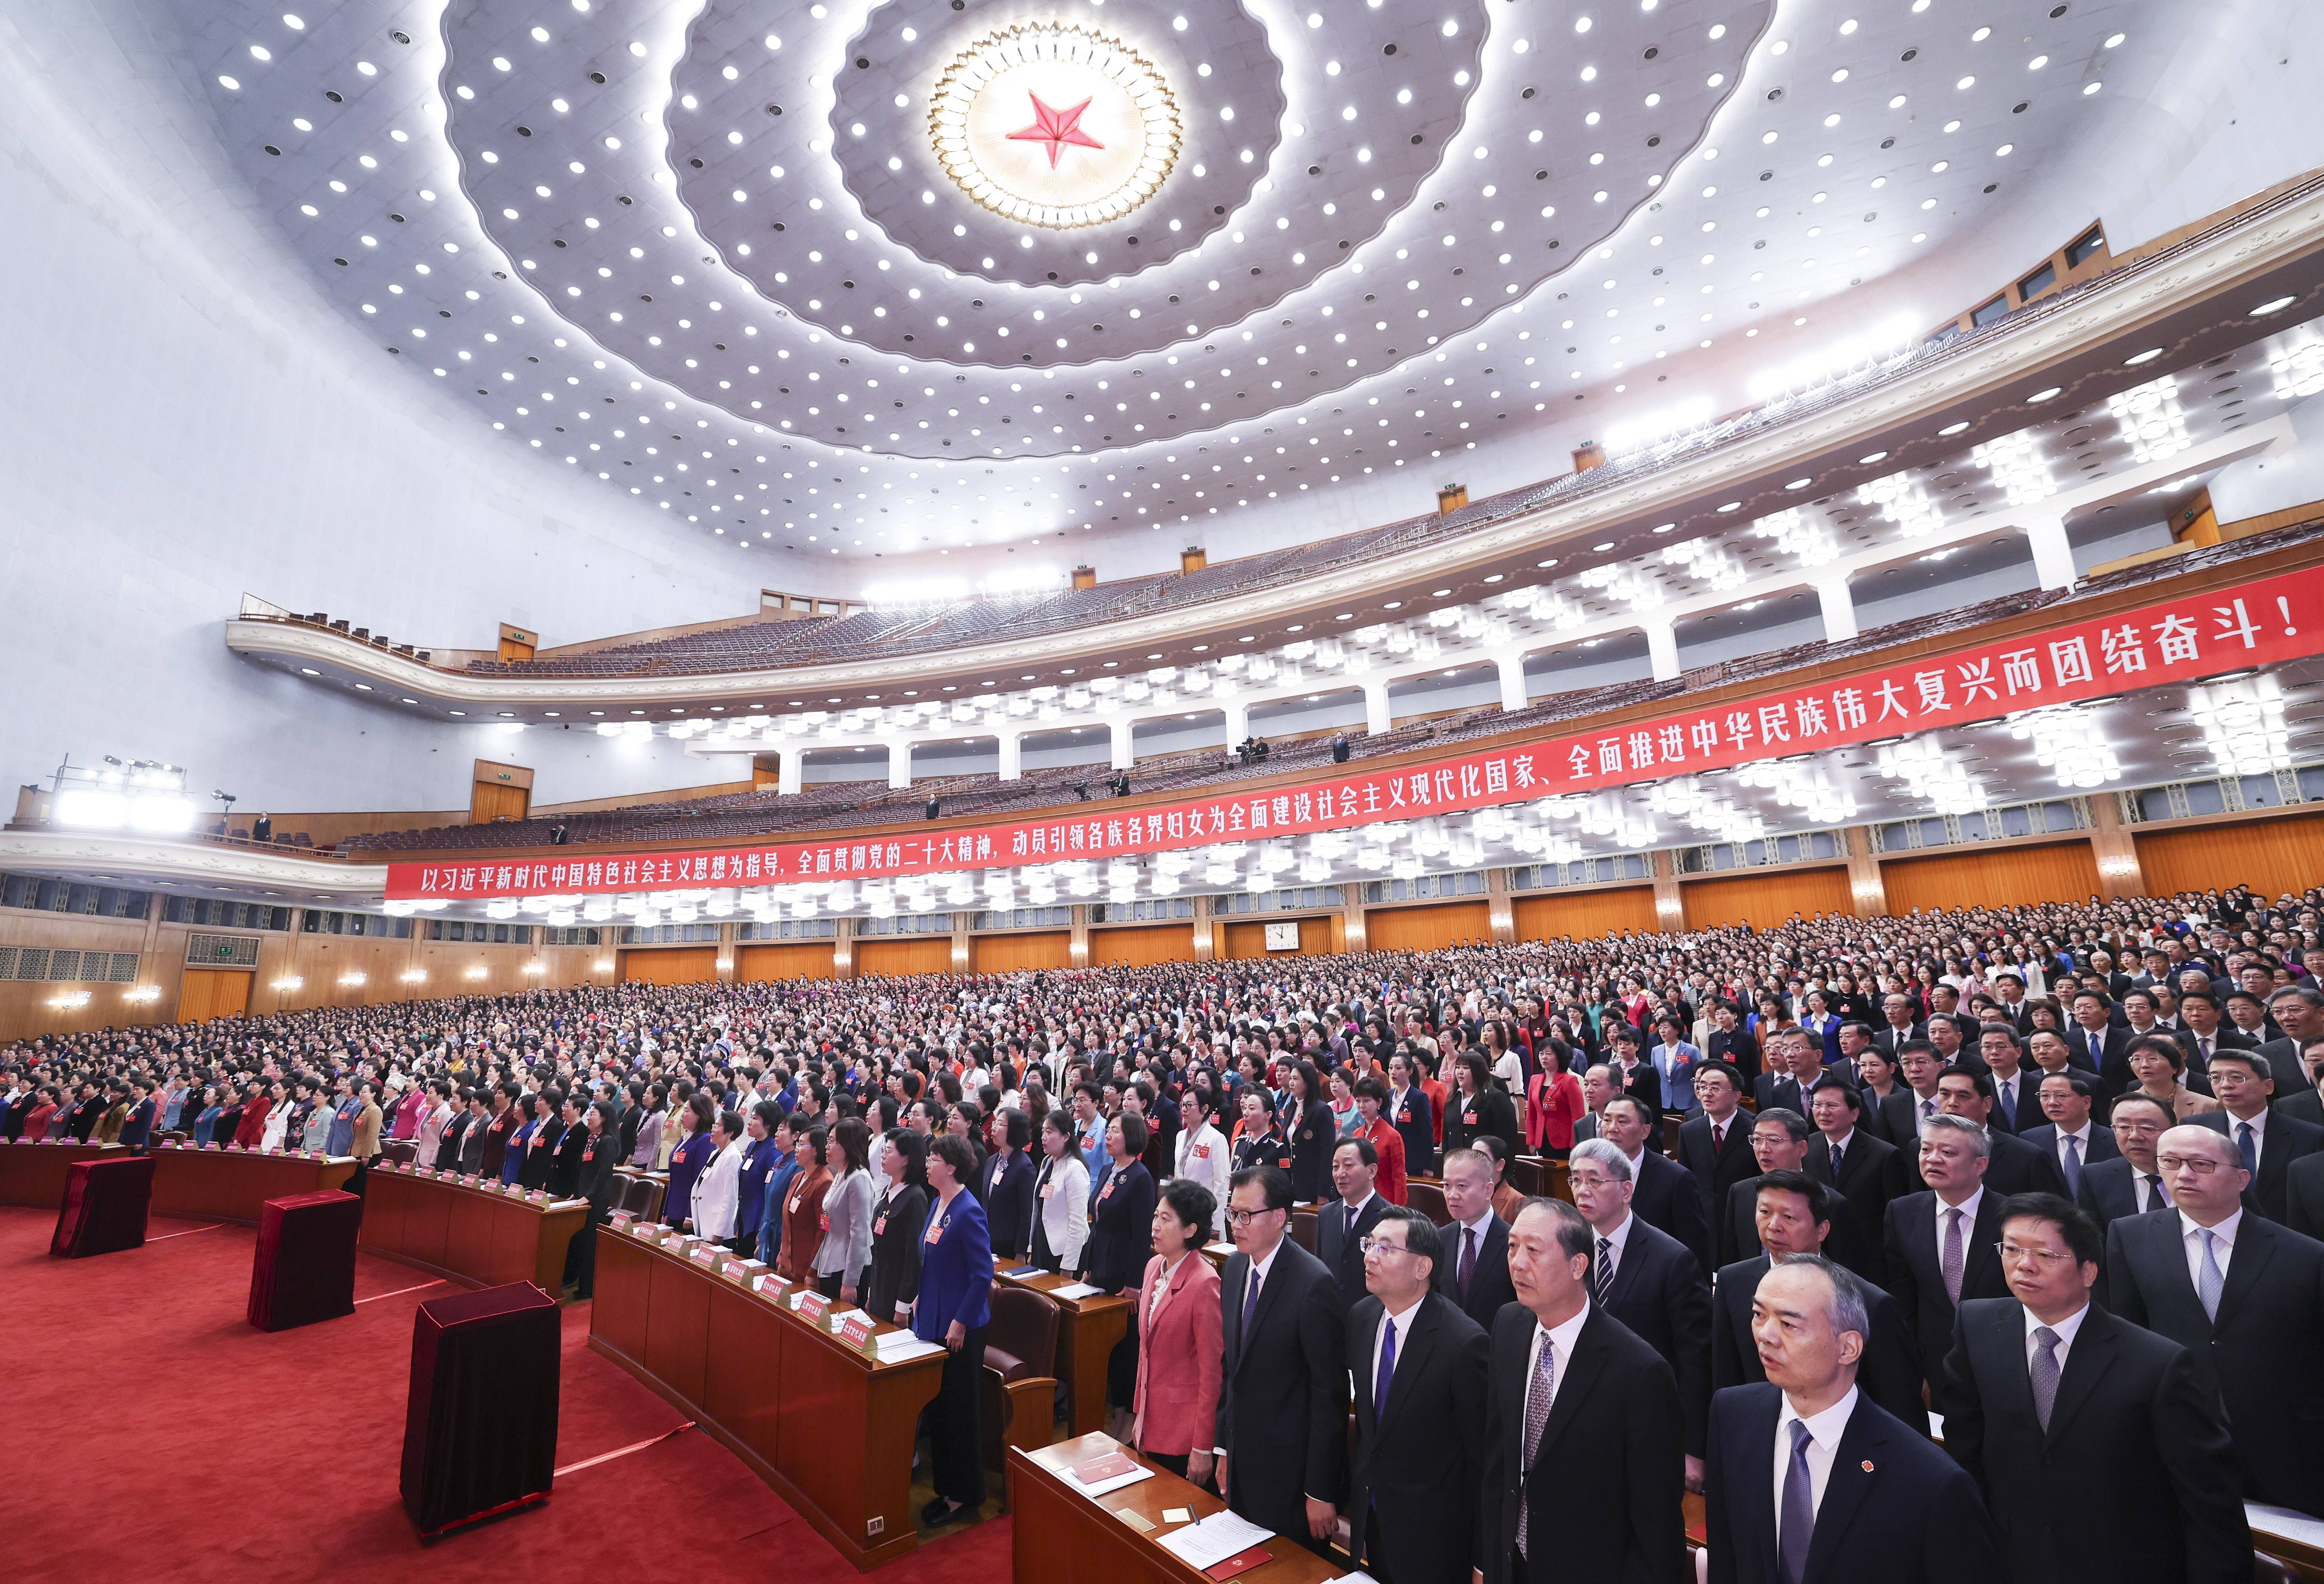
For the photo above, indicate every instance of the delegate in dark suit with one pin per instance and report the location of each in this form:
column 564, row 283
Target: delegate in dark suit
column 2303, row 1192
column 2108, row 1192
column 1660, row 1294
column 2101, row 1146
column 1602, row 1497
column 2014, row 1168
column 1009, row 1201
column 1489, row 1280
column 1717, row 1171
column 2025, row 1112
column 1664, row 1197
column 1122, row 1230
column 2134, row 1481
column 1871, row 1174
column 1887, row 1373
column 2283, row 1142
column 1283, row 1407
column 2259, row 1351
column 1415, row 1475
column 1918, row 1280
column 1894, row 1507
column 1778, row 1089
column 1336, row 1244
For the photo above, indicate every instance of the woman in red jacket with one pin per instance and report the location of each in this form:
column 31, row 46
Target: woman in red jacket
column 1179, row 1350
column 252, row 1125
column 1553, row 1104
column 803, row 1218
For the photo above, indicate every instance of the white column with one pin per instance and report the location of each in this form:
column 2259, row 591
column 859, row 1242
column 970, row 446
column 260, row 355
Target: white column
column 1124, row 754
column 899, row 762
column 1238, row 713
column 790, row 762
column 1513, row 680
column 1661, row 650
column 2054, row 557
column 1838, row 609
column 1376, row 720
column 1012, row 756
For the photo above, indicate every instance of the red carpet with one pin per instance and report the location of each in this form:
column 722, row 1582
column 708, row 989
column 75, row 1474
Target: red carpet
column 151, row 1433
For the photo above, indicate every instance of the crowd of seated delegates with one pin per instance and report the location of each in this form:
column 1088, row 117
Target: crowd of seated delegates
column 2052, row 1174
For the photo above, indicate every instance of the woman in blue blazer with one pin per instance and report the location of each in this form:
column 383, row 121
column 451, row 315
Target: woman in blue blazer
column 758, row 1153
column 952, row 1308
column 1008, row 1183
column 687, row 1159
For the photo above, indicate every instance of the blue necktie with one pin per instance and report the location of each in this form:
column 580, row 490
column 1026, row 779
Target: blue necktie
column 1249, row 1308
column 1799, row 1510
column 2244, row 1146
column 2007, row 1090
column 1387, row 1369
column 2073, row 1166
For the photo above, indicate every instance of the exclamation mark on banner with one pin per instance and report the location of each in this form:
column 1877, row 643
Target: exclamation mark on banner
column 2283, row 603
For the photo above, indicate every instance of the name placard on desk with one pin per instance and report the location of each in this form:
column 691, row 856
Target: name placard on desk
column 772, row 1285
column 812, row 1305
column 646, row 1229
column 536, row 1197
column 704, row 1255
column 856, row 1330
column 621, row 1220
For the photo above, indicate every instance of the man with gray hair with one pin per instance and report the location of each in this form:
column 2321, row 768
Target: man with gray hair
column 1804, row 1467
column 1941, row 1241
column 1649, row 1281
column 2299, row 1010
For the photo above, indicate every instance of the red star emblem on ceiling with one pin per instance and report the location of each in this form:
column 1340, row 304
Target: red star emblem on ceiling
column 1056, row 128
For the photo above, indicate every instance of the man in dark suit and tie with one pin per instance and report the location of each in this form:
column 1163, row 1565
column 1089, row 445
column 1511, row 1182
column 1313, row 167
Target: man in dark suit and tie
column 2244, row 1082
column 2016, row 1098
column 1342, row 1226
column 1475, row 1270
column 1716, row 1144
column 1940, row 1242
column 1584, row 1438
column 1796, row 1215
column 1865, row 1171
column 2246, row 1298
column 2297, row 1076
column 1863, row 1496
column 2096, row 1040
column 2101, row 1451
column 2131, row 1183
column 1283, row 1414
column 1646, row 1280
column 2207, row 1032
column 1779, row 1143
column 1421, row 1368
column 2070, row 1137
column 2299, row 1010
column 1899, row 1028
column 2013, row 1167
column 1666, row 1198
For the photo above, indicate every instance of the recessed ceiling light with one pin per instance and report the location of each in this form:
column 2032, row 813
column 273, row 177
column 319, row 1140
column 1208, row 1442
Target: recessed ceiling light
column 1732, row 506
column 2045, row 395
column 1494, row 577
column 1438, row 594
column 1876, row 457
column 307, row 671
column 2277, row 305
column 2149, row 355
column 1550, row 562
column 1954, row 428
column 1799, row 483
column 1392, row 605
column 1601, row 549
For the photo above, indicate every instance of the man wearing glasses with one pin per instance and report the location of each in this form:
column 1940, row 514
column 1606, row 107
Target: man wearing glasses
column 1420, row 1367
column 2252, row 1329
column 1283, row 1414
column 2101, row 1449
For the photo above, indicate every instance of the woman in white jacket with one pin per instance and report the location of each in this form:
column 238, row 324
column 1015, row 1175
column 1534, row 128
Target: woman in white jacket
column 1060, row 1197
column 432, row 1118
column 717, row 1194
column 278, row 1117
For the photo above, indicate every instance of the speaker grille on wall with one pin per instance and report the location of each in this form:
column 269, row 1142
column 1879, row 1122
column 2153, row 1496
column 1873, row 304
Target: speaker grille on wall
column 124, row 968
column 32, row 963
column 7, row 961
column 222, row 950
column 64, row 966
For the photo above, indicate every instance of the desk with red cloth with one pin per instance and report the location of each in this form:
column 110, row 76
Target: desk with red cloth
column 104, row 1208
column 304, row 1268
column 480, row 1428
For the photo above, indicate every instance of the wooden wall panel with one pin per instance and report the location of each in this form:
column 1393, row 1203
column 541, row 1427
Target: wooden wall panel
column 1154, row 943
column 915, row 955
column 1012, row 953
column 492, row 802
column 812, row 960
column 1250, row 940
column 1585, row 915
column 1999, row 877
column 672, row 965
column 2271, row 856
column 1764, row 900
column 1427, row 929
column 203, row 993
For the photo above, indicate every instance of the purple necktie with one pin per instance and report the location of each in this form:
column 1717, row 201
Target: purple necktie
column 1387, row 1370
column 1799, row 1509
column 1952, row 1256
column 1468, row 1259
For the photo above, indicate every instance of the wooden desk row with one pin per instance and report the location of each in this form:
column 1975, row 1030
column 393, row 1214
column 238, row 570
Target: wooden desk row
column 34, row 1174
column 1089, row 1328
column 470, row 1234
column 234, row 1184
column 818, row 1418
column 1062, row 1536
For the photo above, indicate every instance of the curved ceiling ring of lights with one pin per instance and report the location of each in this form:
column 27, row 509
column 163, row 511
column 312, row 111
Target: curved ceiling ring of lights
column 612, row 83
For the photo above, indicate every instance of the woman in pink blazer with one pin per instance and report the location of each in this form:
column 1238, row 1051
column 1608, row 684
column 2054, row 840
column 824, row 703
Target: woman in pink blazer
column 1179, row 1348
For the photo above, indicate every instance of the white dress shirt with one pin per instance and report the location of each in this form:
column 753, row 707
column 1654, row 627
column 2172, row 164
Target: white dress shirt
column 1560, row 1342
column 2156, row 1197
column 1403, row 1327
column 1824, row 1431
column 2083, row 1136
column 2259, row 1137
column 2064, row 1331
column 2223, row 1245
column 1619, row 1236
column 1203, row 1157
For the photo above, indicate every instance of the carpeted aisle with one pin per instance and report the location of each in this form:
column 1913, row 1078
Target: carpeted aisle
column 151, row 1433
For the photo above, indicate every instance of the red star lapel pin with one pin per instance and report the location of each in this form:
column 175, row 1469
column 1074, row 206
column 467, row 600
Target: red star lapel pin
column 1056, row 128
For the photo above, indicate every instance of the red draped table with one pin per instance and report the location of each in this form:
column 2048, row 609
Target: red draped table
column 104, row 1208
column 304, row 1269
column 480, row 1430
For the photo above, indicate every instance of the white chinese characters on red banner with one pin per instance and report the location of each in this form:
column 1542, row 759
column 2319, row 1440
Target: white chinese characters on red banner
column 2274, row 620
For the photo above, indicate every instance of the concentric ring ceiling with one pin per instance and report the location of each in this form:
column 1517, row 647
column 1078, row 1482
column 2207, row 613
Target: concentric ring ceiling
column 710, row 253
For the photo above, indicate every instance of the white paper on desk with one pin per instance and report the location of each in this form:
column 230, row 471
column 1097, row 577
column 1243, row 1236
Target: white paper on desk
column 911, row 1347
column 1076, row 1290
column 1208, row 1542
column 1223, row 1250
column 1353, row 1578
column 2284, row 1523
column 840, row 1318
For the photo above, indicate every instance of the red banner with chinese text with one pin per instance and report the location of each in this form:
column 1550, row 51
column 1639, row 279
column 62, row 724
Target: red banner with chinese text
column 2258, row 623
